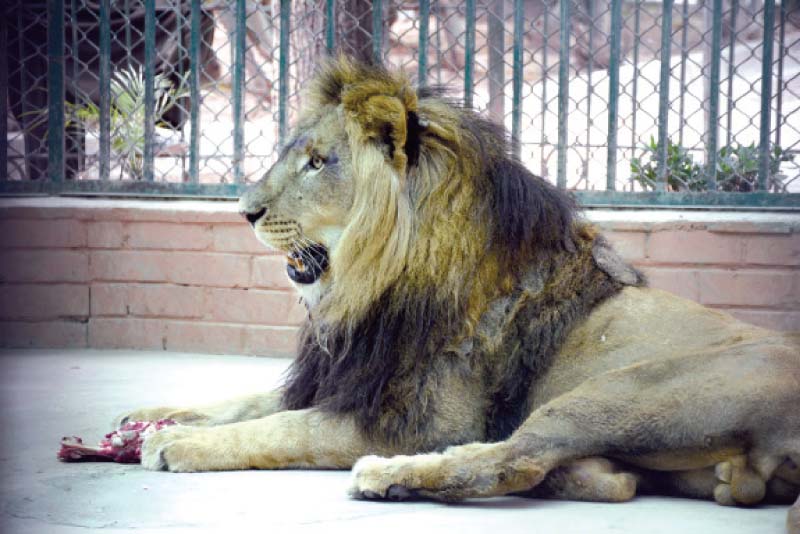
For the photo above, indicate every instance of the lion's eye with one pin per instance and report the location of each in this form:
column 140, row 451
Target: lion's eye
column 316, row 162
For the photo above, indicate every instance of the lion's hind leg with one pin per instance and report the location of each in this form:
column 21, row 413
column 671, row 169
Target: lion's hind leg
column 588, row 479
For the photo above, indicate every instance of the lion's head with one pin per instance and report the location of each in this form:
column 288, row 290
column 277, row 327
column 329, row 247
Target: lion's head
column 386, row 192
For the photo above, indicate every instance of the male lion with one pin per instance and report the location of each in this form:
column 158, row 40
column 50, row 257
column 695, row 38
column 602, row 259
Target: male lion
column 459, row 308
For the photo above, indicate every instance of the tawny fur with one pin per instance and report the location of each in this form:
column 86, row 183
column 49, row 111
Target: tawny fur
column 466, row 302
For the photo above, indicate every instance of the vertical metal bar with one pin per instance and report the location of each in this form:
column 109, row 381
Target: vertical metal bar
column 149, row 87
column 128, row 27
column 731, row 58
column 424, row 16
column 663, row 94
column 4, row 98
column 496, row 42
column 105, row 88
column 283, row 69
column 545, row 78
column 779, row 92
column 55, row 90
column 377, row 30
column 238, row 90
column 635, row 89
column 684, row 57
column 563, row 94
column 469, row 54
column 330, row 26
column 613, row 93
column 194, row 93
column 712, row 127
column 516, row 104
column 589, row 92
column 766, row 94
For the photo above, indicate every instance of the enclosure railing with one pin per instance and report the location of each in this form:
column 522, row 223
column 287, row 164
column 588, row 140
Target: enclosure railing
column 149, row 97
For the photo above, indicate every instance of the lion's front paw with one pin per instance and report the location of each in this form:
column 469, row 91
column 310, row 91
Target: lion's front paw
column 383, row 478
column 182, row 450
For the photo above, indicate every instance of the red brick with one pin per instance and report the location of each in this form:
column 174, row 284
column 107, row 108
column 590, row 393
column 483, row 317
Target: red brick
column 212, row 338
column 32, row 233
column 783, row 321
column 694, row 247
column 772, row 249
column 47, row 265
column 48, row 301
column 270, row 341
column 237, row 238
column 109, row 299
column 630, row 245
column 270, row 272
column 194, row 268
column 254, row 306
column 106, row 234
column 162, row 300
column 127, row 333
column 767, row 288
column 147, row 235
column 682, row 282
column 60, row 334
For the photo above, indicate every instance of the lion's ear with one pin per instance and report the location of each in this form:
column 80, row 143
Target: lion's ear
column 384, row 119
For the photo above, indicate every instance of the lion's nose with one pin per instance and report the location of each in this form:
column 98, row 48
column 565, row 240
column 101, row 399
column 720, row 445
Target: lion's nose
column 253, row 216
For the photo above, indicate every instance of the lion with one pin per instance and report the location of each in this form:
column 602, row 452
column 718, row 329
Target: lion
column 470, row 335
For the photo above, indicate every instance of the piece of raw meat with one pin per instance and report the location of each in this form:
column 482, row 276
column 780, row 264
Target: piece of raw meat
column 123, row 445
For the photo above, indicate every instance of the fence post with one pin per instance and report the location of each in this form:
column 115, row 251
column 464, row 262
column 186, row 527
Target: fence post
column 613, row 94
column 105, row 88
column 516, row 104
column 712, row 129
column 330, row 26
column 766, row 94
column 497, row 66
column 194, row 93
column 4, row 97
column 283, row 69
column 149, row 86
column 238, row 90
column 377, row 30
column 424, row 21
column 469, row 54
column 663, row 94
column 55, row 90
column 563, row 94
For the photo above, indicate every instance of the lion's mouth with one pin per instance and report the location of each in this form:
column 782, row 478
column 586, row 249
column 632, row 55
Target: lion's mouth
column 306, row 265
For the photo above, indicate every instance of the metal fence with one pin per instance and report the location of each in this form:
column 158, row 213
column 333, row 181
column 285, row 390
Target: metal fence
column 623, row 101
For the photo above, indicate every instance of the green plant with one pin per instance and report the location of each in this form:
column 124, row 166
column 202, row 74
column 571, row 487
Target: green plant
column 736, row 169
column 682, row 172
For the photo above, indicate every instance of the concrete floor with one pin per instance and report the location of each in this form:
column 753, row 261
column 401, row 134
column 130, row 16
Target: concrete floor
column 47, row 394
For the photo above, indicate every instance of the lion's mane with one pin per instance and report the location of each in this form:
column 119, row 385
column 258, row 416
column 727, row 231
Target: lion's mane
column 444, row 224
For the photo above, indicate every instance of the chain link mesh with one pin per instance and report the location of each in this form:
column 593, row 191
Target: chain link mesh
column 742, row 26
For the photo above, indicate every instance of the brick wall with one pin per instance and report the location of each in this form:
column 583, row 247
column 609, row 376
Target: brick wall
column 190, row 276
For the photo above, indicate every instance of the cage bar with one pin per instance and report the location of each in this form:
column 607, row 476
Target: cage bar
column 149, row 86
column 712, row 127
column 194, row 93
column 238, row 90
column 55, row 90
column 613, row 93
column 424, row 24
column 377, row 30
column 563, row 95
column 105, row 88
column 663, row 93
column 766, row 94
column 516, row 102
column 283, row 68
column 469, row 54
column 731, row 58
column 330, row 26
